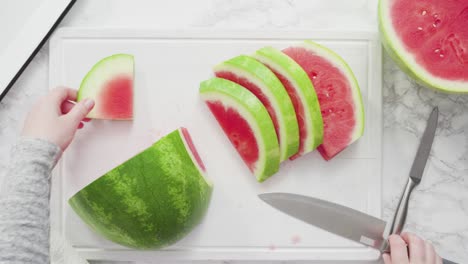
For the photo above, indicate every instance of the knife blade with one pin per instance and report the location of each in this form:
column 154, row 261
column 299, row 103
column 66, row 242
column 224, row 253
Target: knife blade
column 420, row 160
column 334, row 218
column 416, row 173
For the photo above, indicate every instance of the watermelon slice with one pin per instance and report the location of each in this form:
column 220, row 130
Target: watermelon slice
column 302, row 94
column 338, row 94
column 150, row 201
column 246, row 123
column 428, row 40
column 263, row 83
column 110, row 84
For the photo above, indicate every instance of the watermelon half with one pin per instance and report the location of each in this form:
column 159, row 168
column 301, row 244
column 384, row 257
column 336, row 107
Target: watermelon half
column 110, row 84
column 338, row 94
column 263, row 83
column 428, row 40
column 246, row 123
column 302, row 94
column 150, row 201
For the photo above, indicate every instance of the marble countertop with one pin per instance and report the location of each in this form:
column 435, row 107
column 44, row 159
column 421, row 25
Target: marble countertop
column 439, row 205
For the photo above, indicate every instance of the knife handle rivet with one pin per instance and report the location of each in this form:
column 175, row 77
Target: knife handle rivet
column 367, row 241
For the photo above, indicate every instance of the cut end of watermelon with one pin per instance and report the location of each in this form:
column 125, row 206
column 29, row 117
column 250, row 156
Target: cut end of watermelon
column 428, row 40
column 246, row 123
column 338, row 94
column 302, row 94
column 262, row 82
column 194, row 155
column 110, row 84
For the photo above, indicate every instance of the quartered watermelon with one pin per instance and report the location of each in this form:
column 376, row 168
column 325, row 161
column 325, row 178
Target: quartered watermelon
column 262, row 82
column 246, row 123
column 153, row 199
column 110, row 84
column 429, row 40
column 338, row 94
column 302, row 94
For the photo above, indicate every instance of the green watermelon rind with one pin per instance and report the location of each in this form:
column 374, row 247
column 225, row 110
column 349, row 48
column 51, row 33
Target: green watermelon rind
column 252, row 110
column 100, row 73
column 342, row 65
column 294, row 73
column 257, row 73
column 150, row 201
column 405, row 60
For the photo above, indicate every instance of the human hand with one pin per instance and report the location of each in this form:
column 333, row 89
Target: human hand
column 420, row 251
column 56, row 119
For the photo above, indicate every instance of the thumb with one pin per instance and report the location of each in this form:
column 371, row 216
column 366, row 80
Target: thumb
column 80, row 110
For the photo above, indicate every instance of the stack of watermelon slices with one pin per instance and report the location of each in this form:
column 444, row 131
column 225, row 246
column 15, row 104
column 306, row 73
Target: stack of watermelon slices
column 278, row 105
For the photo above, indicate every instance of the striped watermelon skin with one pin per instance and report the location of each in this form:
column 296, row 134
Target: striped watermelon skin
column 150, row 201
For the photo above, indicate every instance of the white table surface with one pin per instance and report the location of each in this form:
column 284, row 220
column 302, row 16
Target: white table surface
column 439, row 205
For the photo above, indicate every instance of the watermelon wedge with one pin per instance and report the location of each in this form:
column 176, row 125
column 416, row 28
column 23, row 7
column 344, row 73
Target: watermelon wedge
column 428, row 40
column 150, row 201
column 110, row 84
column 246, row 123
column 257, row 78
column 302, row 94
column 338, row 94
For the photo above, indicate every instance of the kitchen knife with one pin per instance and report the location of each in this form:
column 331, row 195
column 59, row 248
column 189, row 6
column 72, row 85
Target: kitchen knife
column 334, row 218
column 416, row 173
column 350, row 223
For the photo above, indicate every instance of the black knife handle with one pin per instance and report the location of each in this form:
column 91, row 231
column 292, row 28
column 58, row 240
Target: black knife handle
column 446, row 261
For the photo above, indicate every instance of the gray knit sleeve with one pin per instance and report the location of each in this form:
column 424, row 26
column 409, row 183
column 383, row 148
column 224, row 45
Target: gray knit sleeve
column 24, row 202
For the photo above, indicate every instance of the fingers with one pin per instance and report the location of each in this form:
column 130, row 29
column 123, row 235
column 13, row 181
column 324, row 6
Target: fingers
column 431, row 255
column 386, row 258
column 60, row 94
column 417, row 248
column 79, row 111
column 399, row 252
column 66, row 107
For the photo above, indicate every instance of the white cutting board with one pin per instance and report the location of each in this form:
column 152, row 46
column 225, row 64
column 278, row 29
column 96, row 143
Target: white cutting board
column 168, row 69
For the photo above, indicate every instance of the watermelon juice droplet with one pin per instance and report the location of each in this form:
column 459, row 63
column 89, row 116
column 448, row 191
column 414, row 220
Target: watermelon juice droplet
column 116, row 98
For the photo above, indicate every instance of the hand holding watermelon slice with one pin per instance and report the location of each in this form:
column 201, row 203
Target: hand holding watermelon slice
column 56, row 117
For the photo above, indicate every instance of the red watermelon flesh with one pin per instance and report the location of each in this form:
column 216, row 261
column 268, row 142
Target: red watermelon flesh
column 255, row 90
column 298, row 107
column 238, row 131
column 116, row 98
column 110, row 84
column 193, row 150
column 335, row 96
column 436, row 32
